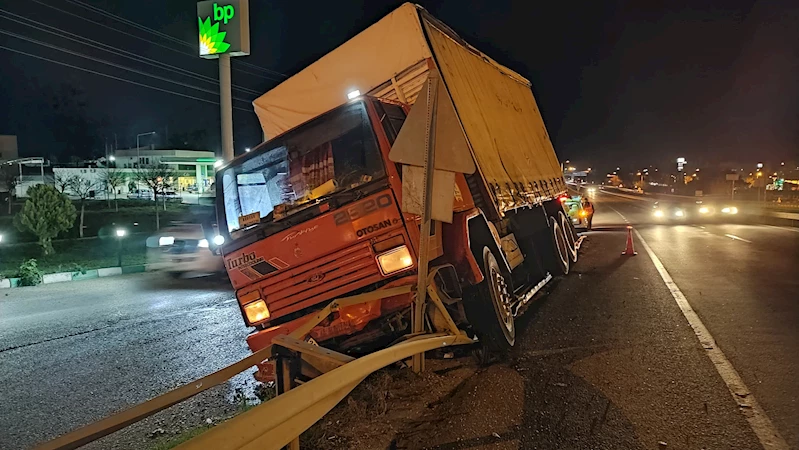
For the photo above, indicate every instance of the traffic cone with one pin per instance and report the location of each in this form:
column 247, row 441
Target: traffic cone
column 629, row 251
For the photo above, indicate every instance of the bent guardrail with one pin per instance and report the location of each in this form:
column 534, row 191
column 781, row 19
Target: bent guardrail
column 286, row 416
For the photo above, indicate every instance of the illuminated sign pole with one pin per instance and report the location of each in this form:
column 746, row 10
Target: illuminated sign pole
column 224, row 31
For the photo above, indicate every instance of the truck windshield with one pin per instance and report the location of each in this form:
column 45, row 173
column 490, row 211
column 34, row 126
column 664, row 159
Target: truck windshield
column 332, row 154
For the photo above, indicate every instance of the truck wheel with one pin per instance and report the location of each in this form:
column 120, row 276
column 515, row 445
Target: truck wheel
column 488, row 307
column 571, row 235
column 560, row 251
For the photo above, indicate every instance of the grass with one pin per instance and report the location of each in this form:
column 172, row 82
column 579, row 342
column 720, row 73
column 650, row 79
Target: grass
column 134, row 215
column 74, row 255
column 182, row 437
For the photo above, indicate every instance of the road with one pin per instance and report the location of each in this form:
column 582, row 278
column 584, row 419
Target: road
column 606, row 360
column 743, row 282
column 75, row 352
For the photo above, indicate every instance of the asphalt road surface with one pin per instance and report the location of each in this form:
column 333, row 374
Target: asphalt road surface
column 743, row 282
column 607, row 360
column 72, row 353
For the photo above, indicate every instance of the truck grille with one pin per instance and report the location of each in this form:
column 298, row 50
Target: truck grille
column 183, row 246
column 325, row 279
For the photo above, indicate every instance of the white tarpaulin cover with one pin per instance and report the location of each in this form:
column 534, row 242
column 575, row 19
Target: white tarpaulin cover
column 495, row 105
column 364, row 62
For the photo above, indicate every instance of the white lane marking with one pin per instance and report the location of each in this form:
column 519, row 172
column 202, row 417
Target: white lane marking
column 760, row 423
column 736, row 238
column 620, row 214
column 795, row 230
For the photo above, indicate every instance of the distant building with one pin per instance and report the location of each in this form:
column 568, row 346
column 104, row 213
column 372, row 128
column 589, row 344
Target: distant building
column 8, row 148
column 194, row 168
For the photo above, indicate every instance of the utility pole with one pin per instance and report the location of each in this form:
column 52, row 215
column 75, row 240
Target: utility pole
column 226, row 106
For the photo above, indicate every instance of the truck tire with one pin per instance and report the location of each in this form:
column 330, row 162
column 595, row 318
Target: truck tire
column 571, row 235
column 560, row 258
column 488, row 306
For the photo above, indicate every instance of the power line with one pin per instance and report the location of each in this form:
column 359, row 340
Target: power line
column 119, row 66
column 272, row 78
column 105, row 47
column 180, row 94
column 163, row 35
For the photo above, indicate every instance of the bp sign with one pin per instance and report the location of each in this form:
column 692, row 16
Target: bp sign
column 224, row 28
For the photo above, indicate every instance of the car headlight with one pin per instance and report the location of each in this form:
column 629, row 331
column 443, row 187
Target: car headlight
column 395, row 260
column 219, row 240
column 704, row 210
column 203, row 243
column 730, row 210
column 166, row 240
column 256, row 311
column 679, row 213
column 658, row 213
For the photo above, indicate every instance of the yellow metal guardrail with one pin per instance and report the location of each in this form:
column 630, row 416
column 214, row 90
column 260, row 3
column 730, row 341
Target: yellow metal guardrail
column 281, row 420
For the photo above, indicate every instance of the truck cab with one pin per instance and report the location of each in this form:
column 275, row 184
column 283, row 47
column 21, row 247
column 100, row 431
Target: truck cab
column 316, row 212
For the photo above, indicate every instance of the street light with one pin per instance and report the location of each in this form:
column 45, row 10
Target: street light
column 759, row 165
column 120, row 232
column 112, row 158
column 138, row 155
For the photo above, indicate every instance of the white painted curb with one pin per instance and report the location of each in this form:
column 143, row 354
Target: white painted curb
column 109, row 272
column 57, row 277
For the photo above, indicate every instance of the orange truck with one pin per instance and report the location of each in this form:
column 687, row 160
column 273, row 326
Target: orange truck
column 316, row 211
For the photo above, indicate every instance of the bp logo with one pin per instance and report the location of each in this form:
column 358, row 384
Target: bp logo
column 224, row 28
column 212, row 40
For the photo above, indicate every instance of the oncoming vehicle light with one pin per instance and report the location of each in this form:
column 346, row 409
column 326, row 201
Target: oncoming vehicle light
column 704, row 210
column 166, row 240
column 679, row 213
column 394, row 260
column 203, row 243
column 658, row 213
column 219, row 240
column 730, row 210
column 256, row 311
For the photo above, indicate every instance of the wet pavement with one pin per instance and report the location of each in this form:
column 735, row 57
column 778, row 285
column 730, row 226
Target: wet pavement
column 74, row 353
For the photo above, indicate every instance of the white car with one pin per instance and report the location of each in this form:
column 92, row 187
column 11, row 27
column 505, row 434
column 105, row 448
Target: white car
column 140, row 194
column 185, row 250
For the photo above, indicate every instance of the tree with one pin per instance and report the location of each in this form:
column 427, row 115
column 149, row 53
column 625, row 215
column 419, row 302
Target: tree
column 114, row 179
column 158, row 179
column 83, row 188
column 46, row 213
column 61, row 182
column 8, row 181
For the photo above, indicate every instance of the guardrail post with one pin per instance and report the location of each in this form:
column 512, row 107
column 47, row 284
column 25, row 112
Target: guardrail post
column 286, row 370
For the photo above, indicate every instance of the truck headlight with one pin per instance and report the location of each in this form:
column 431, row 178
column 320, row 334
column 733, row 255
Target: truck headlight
column 219, row 240
column 658, row 213
column 395, row 260
column 163, row 241
column 203, row 243
column 704, row 210
column 256, row 311
column 679, row 213
column 730, row 210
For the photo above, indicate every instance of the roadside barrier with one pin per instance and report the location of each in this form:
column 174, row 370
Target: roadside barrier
column 300, row 404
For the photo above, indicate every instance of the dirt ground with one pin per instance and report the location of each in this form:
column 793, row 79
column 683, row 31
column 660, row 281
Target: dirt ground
column 396, row 409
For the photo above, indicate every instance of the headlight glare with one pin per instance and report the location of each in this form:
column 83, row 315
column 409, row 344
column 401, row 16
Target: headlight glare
column 256, row 311
column 219, row 240
column 658, row 213
column 203, row 243
column 166, row 240
column 679, row 213
column 395, row 260
column 704, row 210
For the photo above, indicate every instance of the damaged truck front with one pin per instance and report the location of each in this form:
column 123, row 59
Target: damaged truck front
column 316, row 212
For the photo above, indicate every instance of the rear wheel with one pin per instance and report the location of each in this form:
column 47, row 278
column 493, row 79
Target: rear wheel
column 488, row 306
column 571, row 235
column 560, row 252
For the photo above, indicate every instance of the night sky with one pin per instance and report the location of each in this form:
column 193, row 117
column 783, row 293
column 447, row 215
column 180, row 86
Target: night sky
column 619, row 83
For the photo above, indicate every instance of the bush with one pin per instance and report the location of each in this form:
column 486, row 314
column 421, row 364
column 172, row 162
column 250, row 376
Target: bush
column 29, row 273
